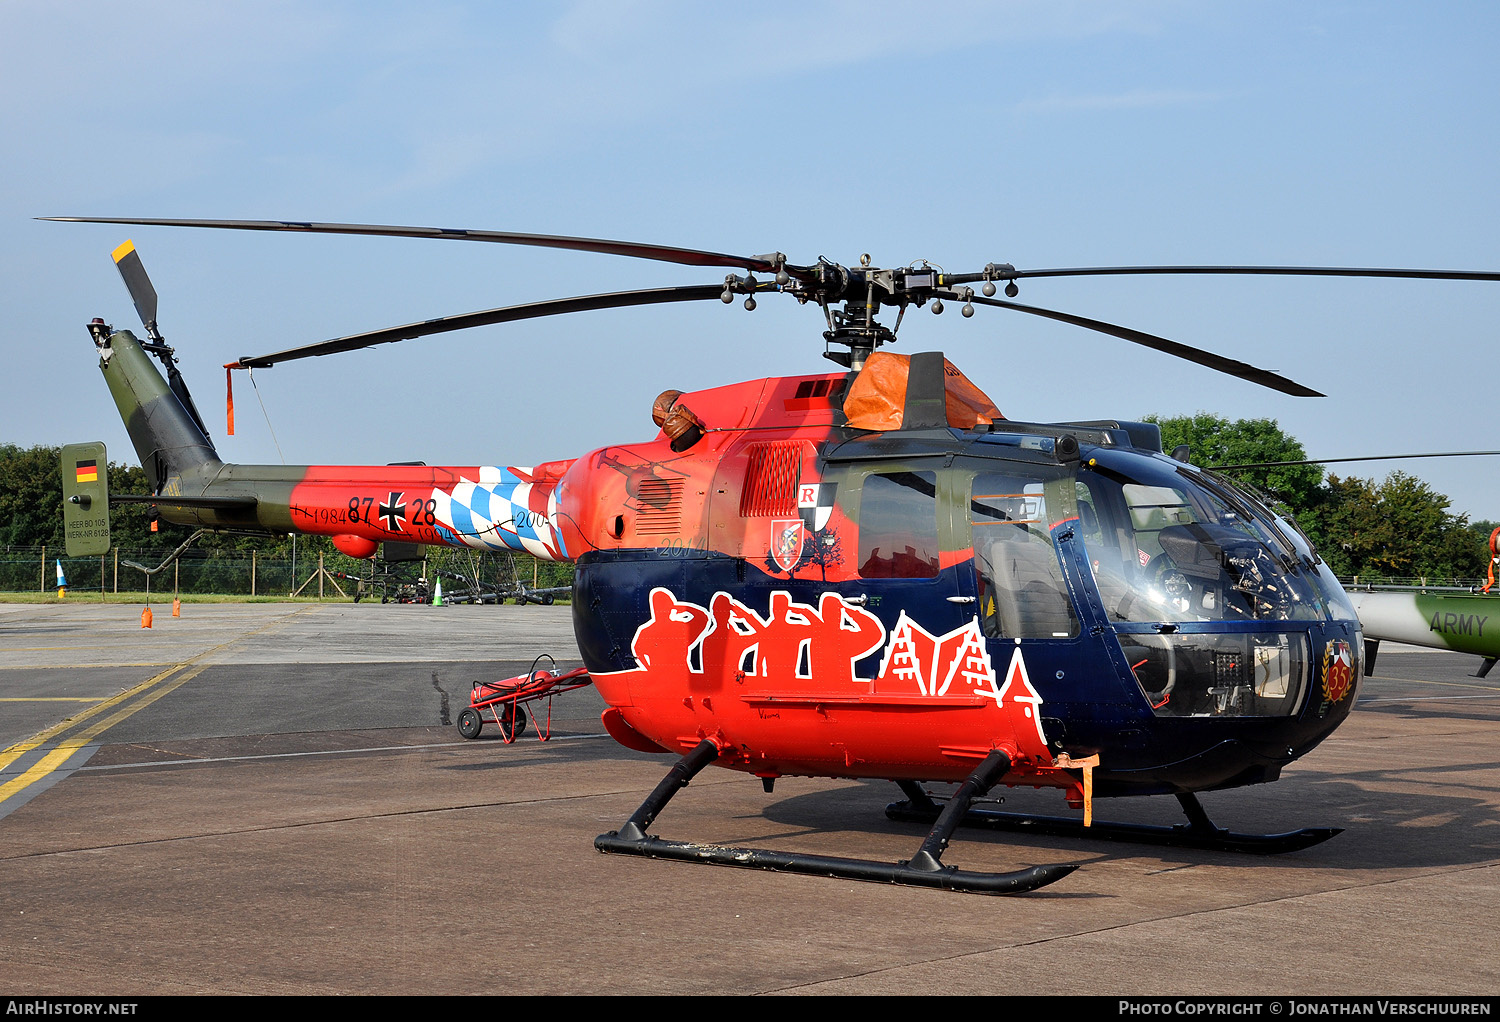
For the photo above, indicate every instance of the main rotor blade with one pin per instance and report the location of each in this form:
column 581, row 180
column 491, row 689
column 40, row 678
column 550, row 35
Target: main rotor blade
column 1243, row 370
column 1280, row 271
column 661, row 253
column 1335, row 461
column 508, row 314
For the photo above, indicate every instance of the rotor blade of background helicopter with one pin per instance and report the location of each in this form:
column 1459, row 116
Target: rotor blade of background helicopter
column 661, row 253
column 1282, row 271
column 1243, row 370
column 1334, row 461
column 510, row 313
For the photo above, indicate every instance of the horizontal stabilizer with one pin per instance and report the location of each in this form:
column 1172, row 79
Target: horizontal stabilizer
column 211, row 503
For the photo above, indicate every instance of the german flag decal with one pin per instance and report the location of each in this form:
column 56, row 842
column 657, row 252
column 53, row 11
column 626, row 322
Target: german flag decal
column 88, row 471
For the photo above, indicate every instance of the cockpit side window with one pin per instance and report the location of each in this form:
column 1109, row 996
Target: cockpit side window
column 898, row 526
column 1021, row 589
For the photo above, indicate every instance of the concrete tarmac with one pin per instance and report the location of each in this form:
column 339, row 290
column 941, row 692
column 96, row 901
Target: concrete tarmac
column 271, row 798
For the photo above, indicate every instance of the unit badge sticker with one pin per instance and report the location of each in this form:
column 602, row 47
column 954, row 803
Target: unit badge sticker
column 1338, row 670
column 786, row 544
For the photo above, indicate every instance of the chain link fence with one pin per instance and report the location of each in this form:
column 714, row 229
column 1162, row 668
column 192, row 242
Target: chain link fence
column 1378, row 581
column 327, row 575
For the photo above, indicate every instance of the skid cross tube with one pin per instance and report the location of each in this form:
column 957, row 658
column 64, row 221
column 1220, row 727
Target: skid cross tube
column 924, row 869
column 683, row 771
column 929, row 856
column 1198, row 832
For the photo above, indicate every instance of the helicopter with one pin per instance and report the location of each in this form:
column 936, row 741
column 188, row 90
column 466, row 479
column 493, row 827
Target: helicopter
column 1463, row 620
column 869, row 573
column 1453, row 619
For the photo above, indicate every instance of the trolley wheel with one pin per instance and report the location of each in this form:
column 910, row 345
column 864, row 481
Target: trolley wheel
column 470, row 723
column 513, row 717
column 547, row 600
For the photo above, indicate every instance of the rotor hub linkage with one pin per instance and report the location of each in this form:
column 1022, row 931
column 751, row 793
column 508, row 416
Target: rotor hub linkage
column 865, row 289
column 855, row 328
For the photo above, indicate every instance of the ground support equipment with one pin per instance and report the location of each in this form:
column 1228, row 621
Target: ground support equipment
column 502, row 701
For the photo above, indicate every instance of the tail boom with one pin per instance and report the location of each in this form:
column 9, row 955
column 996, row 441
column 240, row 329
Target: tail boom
column 482, row 507
column 167, row 438
column 358, row 506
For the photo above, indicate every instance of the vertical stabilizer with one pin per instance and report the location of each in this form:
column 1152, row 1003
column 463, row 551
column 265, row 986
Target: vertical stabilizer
column 167, row 437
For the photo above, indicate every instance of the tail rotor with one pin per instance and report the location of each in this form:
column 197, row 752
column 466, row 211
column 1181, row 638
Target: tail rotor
column 143, row 294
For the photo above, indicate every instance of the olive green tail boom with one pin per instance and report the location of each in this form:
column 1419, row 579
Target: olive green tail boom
column 189, row 484
column 170, row 444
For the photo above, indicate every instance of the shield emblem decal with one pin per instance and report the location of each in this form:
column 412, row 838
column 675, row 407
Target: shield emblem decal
column 786, row 544
column 1338, row 670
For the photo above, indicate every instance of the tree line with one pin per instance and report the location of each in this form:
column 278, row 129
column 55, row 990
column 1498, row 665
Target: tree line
column 1399, row 527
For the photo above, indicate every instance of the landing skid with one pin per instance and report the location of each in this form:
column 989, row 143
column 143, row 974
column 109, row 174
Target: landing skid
column 1198, row 832
column 925, row 869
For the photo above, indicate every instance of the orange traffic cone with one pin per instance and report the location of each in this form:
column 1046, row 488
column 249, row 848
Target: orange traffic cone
column 176, row 607
column 146, row 618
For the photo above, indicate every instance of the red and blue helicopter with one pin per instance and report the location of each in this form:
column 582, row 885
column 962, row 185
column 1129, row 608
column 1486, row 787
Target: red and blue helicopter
column 867, row 573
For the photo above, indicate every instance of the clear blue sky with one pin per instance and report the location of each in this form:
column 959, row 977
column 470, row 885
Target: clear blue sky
column 1041, row 134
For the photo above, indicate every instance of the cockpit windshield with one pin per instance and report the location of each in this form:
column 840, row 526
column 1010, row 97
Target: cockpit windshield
column 1171, row 544
column 1167, row 547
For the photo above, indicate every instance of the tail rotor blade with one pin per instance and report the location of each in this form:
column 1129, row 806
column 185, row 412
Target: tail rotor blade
column 133, row 272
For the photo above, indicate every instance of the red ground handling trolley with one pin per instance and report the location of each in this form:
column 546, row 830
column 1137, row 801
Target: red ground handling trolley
column 501, row 701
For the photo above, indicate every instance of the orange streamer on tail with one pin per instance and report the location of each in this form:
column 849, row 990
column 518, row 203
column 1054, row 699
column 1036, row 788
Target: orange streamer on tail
column 229, row 368
column 1494, row 555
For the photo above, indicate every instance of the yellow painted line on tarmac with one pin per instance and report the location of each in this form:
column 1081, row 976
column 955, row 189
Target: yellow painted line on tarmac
column 66, row 748
column 44, row 649
column 50, row 699
column 36, row 741
column 43, row 667
column 128, row 704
